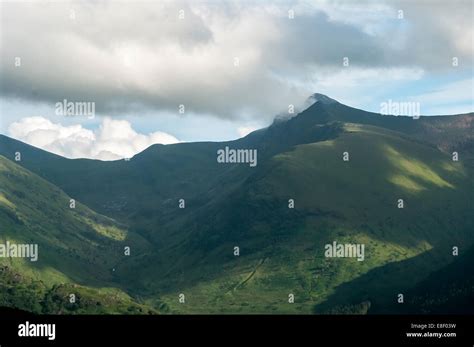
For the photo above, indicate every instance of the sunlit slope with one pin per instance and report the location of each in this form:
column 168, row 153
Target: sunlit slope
column 383, row 167
column 75, row 246
column 282, row 249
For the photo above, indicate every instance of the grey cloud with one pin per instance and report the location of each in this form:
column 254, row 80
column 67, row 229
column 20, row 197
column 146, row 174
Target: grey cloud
column 135, row 56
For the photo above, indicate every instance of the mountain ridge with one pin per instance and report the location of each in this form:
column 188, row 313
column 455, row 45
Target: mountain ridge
column 191, row 249
column 329, row 107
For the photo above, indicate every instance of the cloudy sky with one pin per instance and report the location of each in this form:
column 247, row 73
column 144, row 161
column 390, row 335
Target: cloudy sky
column 166, row 72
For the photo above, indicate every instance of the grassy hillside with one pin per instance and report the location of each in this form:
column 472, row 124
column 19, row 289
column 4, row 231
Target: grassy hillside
column 75, row 246
column 356, row 201
column 191, row 250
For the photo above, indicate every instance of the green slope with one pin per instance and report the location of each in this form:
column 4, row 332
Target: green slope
column 190, row 250
column 355, row 201
column 77, row 249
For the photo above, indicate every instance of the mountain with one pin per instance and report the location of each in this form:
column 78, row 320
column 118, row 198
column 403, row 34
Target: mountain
column 282, row 250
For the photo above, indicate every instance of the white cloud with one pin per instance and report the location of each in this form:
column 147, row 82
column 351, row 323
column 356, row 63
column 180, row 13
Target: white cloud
column 245, row 130
column 114, row 139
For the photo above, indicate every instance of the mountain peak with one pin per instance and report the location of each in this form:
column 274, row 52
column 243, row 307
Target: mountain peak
column 324, row 99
